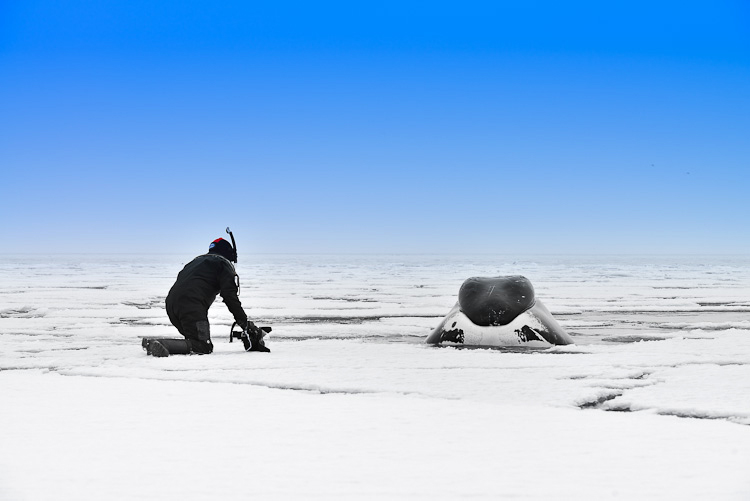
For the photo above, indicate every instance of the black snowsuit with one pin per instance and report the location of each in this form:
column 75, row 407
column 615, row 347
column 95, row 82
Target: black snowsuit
column 193, row 293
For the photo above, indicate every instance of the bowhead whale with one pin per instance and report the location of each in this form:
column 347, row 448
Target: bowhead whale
column 499, row 311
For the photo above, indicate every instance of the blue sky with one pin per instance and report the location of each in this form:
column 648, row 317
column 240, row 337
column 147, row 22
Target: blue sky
column 448, row 127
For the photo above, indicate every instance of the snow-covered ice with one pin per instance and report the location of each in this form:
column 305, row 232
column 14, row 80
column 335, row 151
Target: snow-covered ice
column 653, row 400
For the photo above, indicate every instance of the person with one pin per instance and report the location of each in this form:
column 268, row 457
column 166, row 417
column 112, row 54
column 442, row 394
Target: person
column 190, row 297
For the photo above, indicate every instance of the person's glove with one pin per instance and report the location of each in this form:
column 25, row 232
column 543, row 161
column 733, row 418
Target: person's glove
column 252, row 338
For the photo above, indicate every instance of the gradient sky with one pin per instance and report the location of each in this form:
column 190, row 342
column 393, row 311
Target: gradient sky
column 535, row 127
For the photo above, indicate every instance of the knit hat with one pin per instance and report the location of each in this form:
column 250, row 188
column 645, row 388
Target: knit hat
column 222, row 248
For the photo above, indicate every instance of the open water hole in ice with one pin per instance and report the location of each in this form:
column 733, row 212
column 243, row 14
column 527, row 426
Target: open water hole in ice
column 654, row 335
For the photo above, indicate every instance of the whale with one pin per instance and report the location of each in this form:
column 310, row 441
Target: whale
column 499, row 312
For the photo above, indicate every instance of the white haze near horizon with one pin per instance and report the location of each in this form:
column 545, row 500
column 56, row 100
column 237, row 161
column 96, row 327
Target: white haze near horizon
column 651, row 402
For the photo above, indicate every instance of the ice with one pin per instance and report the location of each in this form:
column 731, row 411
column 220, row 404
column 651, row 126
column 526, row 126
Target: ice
column 653, row 400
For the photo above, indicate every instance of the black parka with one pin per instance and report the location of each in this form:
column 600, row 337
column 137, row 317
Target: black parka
column 198, row 284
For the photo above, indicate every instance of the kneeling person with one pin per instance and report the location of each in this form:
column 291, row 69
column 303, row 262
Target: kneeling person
column 191, row 296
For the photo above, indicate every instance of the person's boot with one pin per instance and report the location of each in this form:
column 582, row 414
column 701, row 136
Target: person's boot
column 163, row 347
column 146, row 342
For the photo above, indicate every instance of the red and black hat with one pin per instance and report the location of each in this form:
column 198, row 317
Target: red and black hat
column 222, row 248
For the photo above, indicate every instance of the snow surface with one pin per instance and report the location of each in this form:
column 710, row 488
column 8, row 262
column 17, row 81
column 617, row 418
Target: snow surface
column 352, row 404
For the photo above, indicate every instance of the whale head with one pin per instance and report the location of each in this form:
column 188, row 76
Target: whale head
column 499, row 311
